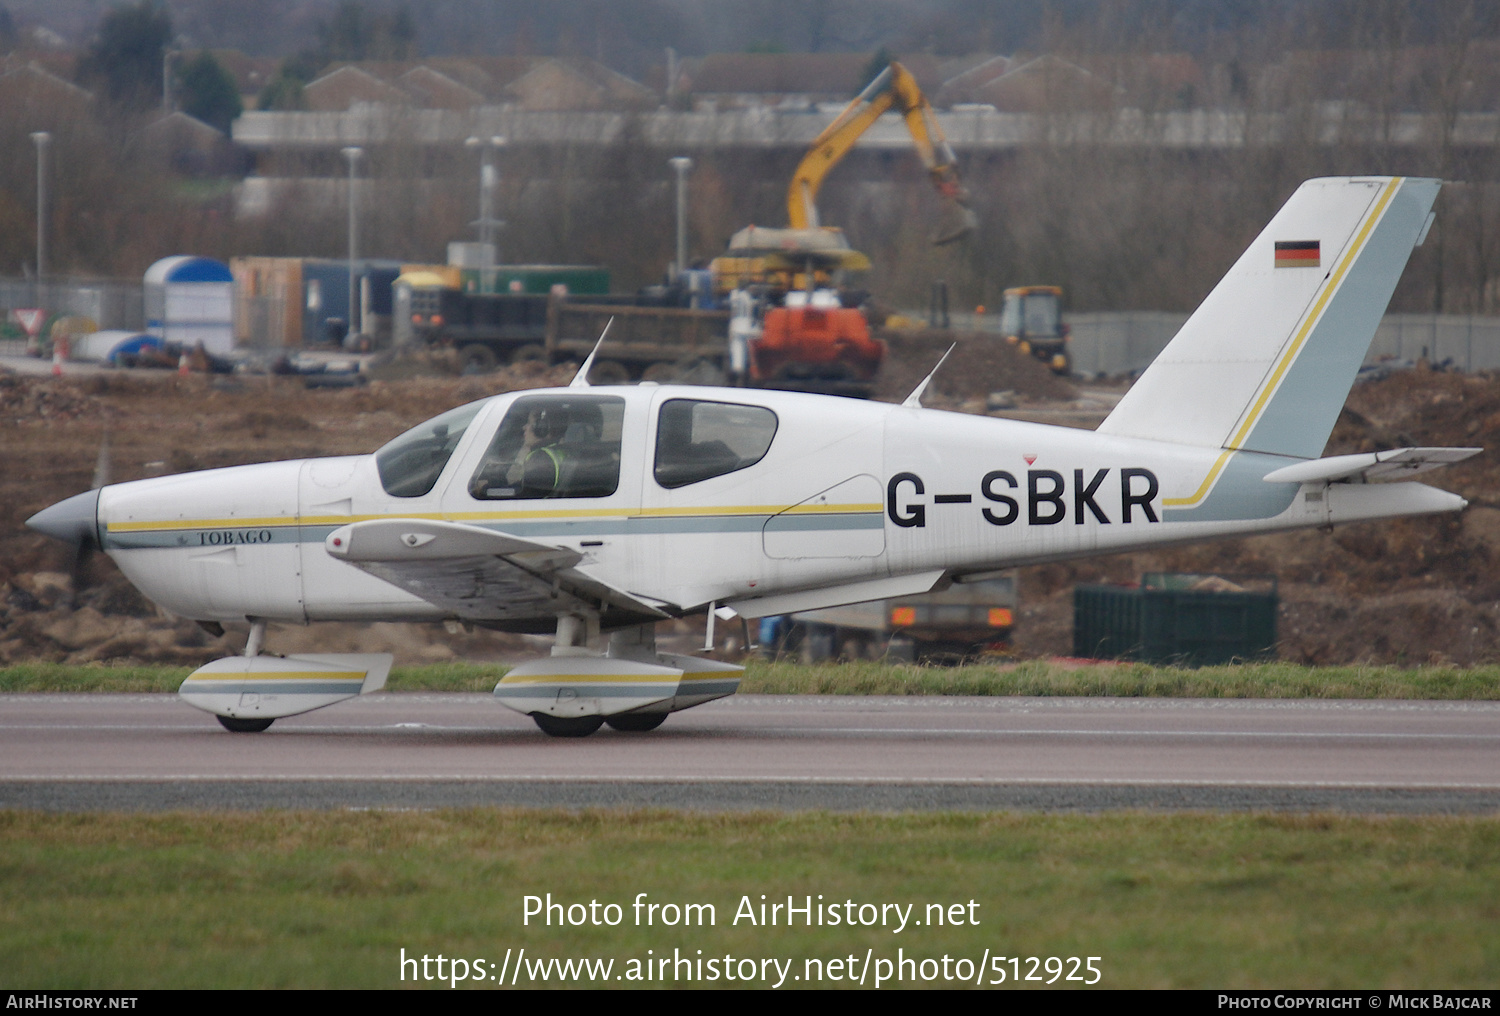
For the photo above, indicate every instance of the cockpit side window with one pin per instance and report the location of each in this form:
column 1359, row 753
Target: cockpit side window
column 553, row 446
column 699, row 440
column 412, row 463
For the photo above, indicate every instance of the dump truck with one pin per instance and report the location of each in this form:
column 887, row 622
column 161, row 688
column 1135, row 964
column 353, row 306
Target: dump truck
column 645, row 342
column 962, row 622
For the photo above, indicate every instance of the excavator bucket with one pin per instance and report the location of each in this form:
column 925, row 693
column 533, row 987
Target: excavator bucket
column 957, row 223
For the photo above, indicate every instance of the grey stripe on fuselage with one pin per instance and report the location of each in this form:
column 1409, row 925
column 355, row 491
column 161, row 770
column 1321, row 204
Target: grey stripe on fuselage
column 189, row 539
column 1241, row 493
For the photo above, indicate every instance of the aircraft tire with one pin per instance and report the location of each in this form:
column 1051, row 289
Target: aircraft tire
column 568, row 726
column 243, row 726
column 635, row 723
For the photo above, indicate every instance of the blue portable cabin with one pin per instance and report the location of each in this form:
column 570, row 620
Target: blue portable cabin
column 191, row 300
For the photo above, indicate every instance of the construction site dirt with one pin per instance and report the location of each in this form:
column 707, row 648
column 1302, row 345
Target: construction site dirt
column 1420, row 591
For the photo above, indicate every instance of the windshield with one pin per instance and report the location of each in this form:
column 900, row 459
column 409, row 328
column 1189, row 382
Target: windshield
column 411, row 464
column 1041, row 314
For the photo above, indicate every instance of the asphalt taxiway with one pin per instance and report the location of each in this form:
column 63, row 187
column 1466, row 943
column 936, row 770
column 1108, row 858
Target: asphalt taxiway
column 150, row 752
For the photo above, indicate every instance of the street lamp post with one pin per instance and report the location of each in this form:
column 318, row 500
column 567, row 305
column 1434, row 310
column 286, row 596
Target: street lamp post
column 487, row 223
column 681, row 164
column 352, row 153
column 166, row 77
column 42, row 139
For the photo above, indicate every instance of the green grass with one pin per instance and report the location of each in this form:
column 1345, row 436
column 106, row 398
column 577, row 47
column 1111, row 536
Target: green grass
column 1039, row 677
column 279, row 899
column 1258, row 680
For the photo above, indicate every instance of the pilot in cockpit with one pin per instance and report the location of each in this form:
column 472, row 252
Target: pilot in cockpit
column 526, row 464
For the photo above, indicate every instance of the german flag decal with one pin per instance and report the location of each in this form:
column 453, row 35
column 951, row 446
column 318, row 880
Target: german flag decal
column 1298, row 254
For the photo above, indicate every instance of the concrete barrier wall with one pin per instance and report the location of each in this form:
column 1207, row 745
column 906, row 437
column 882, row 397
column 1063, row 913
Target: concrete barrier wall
column 1107, row 343
column 1124, row 342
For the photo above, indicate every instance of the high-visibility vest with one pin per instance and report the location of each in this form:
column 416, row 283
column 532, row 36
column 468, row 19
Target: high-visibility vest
column 557, row 461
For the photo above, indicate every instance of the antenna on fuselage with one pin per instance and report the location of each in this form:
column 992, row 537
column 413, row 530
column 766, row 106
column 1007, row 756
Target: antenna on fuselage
column 914, row 400
column 581, row 379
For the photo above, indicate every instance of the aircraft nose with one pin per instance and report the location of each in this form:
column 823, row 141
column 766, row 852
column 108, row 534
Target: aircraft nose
column 74, row 520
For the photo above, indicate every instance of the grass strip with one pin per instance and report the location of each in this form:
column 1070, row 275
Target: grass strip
column 1032, row 677
column 289, row 899
column 1130, row 680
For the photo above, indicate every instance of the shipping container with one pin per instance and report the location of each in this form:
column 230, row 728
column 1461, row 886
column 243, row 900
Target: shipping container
column 267, row 302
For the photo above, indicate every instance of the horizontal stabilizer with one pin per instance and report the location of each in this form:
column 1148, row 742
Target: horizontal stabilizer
column 1397, row 464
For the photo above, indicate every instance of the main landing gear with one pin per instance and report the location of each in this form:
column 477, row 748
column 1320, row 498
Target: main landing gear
column 629, row 685
column 248, row 693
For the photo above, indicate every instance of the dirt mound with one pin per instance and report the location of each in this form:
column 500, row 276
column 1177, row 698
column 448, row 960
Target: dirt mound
column 982, row 363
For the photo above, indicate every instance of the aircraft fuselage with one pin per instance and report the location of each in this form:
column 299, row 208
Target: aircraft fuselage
column 846, row 492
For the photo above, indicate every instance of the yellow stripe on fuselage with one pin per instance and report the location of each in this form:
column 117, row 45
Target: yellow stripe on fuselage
column 1203, row 488
column 528, row 516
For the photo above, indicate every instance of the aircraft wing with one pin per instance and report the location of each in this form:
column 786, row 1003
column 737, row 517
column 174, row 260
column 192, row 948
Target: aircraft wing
column 477, row 573
column 1396, row 464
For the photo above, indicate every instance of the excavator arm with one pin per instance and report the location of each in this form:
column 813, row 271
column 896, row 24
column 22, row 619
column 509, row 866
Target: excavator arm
column 894, row 88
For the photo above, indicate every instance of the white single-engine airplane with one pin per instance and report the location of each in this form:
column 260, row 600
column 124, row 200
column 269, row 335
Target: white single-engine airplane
column 596, row 512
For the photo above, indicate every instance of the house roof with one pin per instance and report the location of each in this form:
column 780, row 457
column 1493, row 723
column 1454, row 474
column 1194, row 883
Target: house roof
column 577, row 84
column 834, row 75
column 1048, row 84
column 342, row 88
column 434, row 90
column 29, row 86
column 964, row 87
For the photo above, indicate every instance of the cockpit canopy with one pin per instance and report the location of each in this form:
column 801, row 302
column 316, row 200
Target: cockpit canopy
column 569, row 445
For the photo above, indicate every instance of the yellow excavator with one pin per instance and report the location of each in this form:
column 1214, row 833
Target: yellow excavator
column 893, row 88
column 789, row 326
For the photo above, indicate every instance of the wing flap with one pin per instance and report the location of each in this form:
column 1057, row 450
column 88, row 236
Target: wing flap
column 478, row 574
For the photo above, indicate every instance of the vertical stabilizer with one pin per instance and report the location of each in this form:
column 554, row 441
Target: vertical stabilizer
column 1266, row 361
